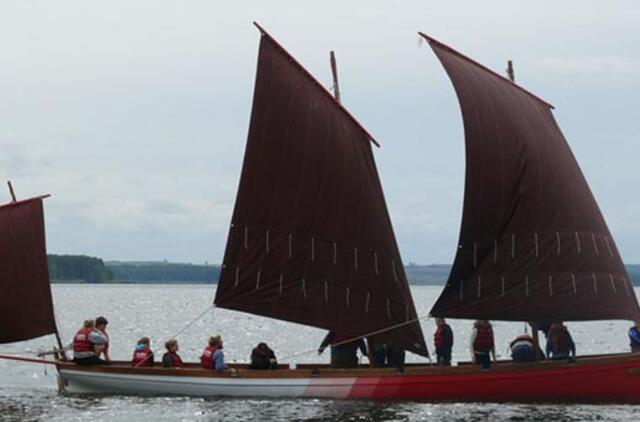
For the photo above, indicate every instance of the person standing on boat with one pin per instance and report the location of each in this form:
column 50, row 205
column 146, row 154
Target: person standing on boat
column 560, row 345
column 171, row 359
column 344, row 351
column 443, row 341
column 482, row 345
column 143, row 355
column 634, row 338
column 87, row 344
column 101, row 328
column 213, row 356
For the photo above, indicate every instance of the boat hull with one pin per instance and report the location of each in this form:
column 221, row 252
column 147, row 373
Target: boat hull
column 606, row 379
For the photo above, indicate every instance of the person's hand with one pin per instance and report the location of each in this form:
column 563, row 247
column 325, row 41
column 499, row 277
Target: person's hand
column 320, row 351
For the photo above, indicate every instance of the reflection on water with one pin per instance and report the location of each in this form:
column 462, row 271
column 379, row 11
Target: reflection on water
column 26, row 393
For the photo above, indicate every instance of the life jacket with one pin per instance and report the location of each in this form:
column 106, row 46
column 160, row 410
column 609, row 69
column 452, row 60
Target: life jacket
column 261, row 357
column 142, row 357
column 521, row 339
column 81, row 343
column 484, row 338
column 206, row 360
column 438, row 337
column 560, row 342
column 176, row 361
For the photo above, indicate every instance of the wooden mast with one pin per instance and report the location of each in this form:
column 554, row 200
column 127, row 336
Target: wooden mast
column 334, row 72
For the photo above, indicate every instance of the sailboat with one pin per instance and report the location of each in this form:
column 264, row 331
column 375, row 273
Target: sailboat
column 311, row 242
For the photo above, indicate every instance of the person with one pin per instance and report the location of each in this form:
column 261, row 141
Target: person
column 171, row 359
column 344, row 352
column 101, row 328
column 443, row 341
column 395, row 357
column 87, row 344
column 262, row 357
column 385, row 355
column 212, row 356
column 482, row 344
column 142, row 355
column 560, row 345
column 634, row 338
column 523, row 349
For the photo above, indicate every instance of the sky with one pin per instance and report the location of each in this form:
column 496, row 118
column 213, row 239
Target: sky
column 134, row 114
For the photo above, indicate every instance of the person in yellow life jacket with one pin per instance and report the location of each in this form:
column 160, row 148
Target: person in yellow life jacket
column 560, row 345
column 212, row 356
column 482, row 344
column 101, row 328
column 85, row 343
column 142, row 355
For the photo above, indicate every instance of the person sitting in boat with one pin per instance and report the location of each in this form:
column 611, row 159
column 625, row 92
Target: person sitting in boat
column 344, row 351
column 443, row 341
column 634, row 338
column 262, row 357
column 523, row 349
column 101, row 328
column 142, row 355
column 212, row 356
column 560, row 345
column 87, row 345
column 171, row 359
column 482, row 344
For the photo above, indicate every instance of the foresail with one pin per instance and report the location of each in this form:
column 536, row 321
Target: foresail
column 533, row 245
column 26, row 308
column 311, row 240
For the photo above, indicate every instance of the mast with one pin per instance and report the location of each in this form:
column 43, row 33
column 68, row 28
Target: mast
column 334, row 73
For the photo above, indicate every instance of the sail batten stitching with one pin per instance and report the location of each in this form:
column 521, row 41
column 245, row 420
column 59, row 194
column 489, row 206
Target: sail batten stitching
column 258, row 279
column 475, row 255
column 388, row 309
column 558, row 243
column 326, row 292
column 578, row 243
column 595, row 244
column 461, row 290
column 526, row 286
column 595, row 283
column 237, row 276
column 536, row 243
column 550, row 285
column 304, row 288
column 503, row 287
column 375, row 263
column 479, row 286
column 290, row 245
column 573, row 280
column 281, row 283
column 335, row 253
column 394, row 271
column 266, row 240
column 246, row 238
column 613, row 284
column 513, row 246
column 313, row 250
column 606, row 239
column 495, row 250
column 366, row 304
column 355, row 258
column 347, row 298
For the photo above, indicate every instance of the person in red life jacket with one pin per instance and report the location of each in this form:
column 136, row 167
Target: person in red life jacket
column 101, row 328
column 443, row 341
column 85, row 342
column 634, row 338
column 262, row 357
column 344, row 351
column 142, row 355
column 171, row 359
column 523, row 349
column 213, row 356
column 482, row 344
column 560, row 345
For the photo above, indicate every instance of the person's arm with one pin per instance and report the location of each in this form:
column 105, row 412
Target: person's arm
column 474, row 334
column 218, row 360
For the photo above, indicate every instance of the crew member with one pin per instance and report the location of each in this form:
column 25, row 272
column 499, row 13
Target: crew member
column 560, row 345
column 101, row 328
column 212, row 356
column 142, row 355
column 523, row 349
column 262, row 357
column 634, row 338
column 344, row 351
column 482, row 344
column 85, row 343
column 443, row 340
column 171, row 359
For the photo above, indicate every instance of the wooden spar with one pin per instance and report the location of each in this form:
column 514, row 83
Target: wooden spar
column 62, row 354
column 510, row 72
column 13, row 194
column 334, row 73
column 28, row 359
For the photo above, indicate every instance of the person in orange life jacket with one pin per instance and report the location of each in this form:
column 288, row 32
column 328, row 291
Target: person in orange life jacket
column 443, row 341
column 212, row 356
column 634, row 338
column 262, row 357
column 85, row 343
column 560, row 345
column 523, row 349
column 344, row 353
column 101, row 328
column 482, row 344
column 142, row 355
column 171, row 359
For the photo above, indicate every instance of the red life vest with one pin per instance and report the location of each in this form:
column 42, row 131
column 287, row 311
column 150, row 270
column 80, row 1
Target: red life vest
column 484, row 338
column 206, row 360
column 438, row 337
column 81, row 343
column 560, row 339
column 176, row 361
column 142, row 357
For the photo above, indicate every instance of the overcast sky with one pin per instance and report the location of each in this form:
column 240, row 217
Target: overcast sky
column 134, row 114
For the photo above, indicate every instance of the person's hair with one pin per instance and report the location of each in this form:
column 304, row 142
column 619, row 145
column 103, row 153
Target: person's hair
column 101, row 321
column 213, row 340
column 89, row 323
column 170, row 343
column 144, row 340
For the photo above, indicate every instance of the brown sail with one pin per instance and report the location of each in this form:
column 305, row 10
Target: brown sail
column 533, row 244
column 311, row 240
column 26, row 308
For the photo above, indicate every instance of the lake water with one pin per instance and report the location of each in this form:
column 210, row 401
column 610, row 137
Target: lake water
column 27, row 392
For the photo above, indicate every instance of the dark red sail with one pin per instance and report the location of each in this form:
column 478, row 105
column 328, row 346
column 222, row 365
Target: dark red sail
column 533, row 245
column 311, row 240
column 26, row 308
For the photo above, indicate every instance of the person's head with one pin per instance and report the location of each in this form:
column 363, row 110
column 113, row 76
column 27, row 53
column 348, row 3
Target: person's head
column 482, row 323
column 215, row 341
column 172, row 345
column 89, row 323
column 440, row 321
column 101, row 323
column 144, row 341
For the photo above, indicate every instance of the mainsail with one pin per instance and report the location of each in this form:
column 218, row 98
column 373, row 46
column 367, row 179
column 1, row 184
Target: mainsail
column 533, row 245
column 311, row 240
column 26, row 308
